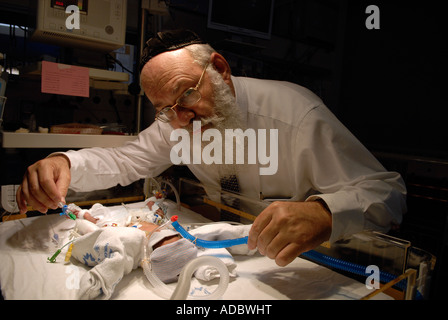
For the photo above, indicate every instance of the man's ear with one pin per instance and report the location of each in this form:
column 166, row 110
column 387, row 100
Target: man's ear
column 221, row 65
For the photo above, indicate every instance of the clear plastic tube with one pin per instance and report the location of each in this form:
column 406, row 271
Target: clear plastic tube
column 160, row 288
column 183, row 284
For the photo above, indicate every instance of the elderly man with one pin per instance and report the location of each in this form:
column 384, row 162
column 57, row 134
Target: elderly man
column 326, row 184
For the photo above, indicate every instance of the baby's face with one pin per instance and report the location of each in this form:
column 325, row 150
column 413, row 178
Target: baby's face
column 150, row 227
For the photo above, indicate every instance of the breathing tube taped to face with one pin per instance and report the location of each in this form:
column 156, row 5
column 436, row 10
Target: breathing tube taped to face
column 183, row 284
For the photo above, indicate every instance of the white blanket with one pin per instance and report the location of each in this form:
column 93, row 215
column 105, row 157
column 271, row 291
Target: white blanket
column 113, row 253
column 25, row 272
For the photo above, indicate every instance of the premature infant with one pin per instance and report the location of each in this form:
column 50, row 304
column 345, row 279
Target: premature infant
column 115, row 252
column 140, row 219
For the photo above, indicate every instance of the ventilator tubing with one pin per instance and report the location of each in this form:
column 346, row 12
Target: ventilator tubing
column 345, row 265
column 353, row 268
column 208, row 244
column 160, row 288
column 183, row 284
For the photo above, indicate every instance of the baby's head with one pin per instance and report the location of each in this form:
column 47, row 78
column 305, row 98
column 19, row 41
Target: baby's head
column 169, row 253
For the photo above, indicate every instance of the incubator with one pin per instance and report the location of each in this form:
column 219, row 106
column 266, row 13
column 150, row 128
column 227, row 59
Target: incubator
column 404, row 271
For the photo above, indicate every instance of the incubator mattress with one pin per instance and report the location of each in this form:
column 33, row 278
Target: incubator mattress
column 25, row 272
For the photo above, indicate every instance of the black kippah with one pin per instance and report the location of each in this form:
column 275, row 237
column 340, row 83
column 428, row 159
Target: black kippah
column 168, row 41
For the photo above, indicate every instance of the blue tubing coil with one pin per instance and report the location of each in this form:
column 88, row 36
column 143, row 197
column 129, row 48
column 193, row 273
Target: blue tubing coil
column 206, row 243
column 353, row 268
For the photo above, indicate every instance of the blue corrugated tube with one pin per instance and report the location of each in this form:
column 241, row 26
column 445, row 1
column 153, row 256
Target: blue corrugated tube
column 206, row 243
column 353, row 268
column 312, row 255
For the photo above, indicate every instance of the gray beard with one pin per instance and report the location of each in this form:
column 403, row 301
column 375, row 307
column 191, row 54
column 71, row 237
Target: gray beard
column 227, row 115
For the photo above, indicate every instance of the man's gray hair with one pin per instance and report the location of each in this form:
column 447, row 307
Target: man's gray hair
column 200, row 52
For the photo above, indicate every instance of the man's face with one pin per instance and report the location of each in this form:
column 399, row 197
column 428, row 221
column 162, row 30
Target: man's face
column 168, row 75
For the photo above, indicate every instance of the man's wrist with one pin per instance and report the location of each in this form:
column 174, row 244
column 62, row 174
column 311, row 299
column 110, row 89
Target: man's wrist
column 323, row 204
column 61, row 156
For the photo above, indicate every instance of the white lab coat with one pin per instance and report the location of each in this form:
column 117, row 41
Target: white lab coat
column 318, row 158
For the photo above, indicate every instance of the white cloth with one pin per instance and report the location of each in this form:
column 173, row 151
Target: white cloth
column 318, row 157
column 207, row 273
column 168, row 261
column 215, row 232
column 171, row 258
column 113, row 253
column 84, row 227
column 224, row 231
column 105, row 217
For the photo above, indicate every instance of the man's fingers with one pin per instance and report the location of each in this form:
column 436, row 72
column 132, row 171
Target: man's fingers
column 272, row 246
column 45, row 184
column 62, row 184
column 25, row 195
column 41, row 188
column 49, row 185
column 258, row 226
column 24, row 198
column 21, row 202
column 269, row 241
column 288, row 254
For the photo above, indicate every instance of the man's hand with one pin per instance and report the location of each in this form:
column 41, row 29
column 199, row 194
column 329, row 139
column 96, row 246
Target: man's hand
column 44, row 184
column 284, row 230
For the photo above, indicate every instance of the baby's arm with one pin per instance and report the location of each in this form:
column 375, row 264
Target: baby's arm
column 85, row 214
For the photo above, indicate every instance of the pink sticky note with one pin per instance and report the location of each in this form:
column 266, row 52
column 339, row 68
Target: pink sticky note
column 64, row 79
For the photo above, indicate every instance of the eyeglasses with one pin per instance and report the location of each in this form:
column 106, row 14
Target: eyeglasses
column 189, row 98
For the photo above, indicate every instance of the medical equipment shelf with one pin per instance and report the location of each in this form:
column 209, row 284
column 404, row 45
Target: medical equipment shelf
column 98, row 78
column 54, row 140
column 94, row 74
